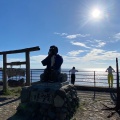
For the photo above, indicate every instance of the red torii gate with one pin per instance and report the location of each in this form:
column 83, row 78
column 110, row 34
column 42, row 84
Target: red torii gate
column 27, row 62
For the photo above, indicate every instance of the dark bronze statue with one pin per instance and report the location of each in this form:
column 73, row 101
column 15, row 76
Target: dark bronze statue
column 53, row 62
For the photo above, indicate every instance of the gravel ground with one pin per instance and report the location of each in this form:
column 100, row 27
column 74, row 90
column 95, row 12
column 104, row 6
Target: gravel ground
column 95, row 110
column 92, row 107
column 8, row 105
column 96, row 107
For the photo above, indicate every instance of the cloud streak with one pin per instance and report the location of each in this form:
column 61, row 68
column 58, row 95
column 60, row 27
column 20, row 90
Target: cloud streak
column 117, row 36
column 99, row 54
column 92, row 58
column 72, row 36
column 96, row 43
column 61, row 34
column 75, row 53
column 79, row 44
column 76, row 36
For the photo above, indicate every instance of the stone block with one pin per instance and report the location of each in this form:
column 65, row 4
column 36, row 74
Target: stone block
column 15, row 83
column 51, row 101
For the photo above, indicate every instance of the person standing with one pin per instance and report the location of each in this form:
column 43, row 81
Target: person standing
column 73, row 70
column 110, row 76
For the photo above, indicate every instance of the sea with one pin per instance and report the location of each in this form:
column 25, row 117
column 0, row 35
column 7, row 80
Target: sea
column 84, row 77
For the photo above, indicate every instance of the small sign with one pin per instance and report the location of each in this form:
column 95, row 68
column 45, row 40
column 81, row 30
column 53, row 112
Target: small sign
column 15, row 72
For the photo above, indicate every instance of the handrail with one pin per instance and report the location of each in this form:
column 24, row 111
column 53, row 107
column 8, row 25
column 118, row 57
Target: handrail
column 84, row 78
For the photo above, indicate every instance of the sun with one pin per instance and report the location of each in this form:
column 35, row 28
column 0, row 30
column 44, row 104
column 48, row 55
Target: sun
column 96, row 13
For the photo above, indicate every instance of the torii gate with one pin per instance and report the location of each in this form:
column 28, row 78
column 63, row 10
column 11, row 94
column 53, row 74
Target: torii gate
column 27, row 62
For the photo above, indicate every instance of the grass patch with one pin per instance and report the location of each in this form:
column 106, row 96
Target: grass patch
column 6, row 92
column 13, row 91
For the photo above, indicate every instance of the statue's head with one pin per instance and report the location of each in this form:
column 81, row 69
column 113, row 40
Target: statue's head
column 53, row 50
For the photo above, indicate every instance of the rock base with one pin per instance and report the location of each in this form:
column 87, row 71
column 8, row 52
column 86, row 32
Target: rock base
column 16, row 83
column 48, row 102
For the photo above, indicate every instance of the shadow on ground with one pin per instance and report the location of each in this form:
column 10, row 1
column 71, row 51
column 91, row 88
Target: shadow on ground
column 5, row 98
column 112, row 109
column 16, row 117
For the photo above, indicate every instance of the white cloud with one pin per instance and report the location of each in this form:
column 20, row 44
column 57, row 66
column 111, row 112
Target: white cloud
column 79, row 44
column 99, row 54
column 35, row 61
column 95, row 58
column 76, row 35
column 15, row 59
column 97, row 43
column 9, row 60
column 117, row 36
column 75, row 53
column 61, row 34
column 38, row 58
column 100, row 44
column 73, row 36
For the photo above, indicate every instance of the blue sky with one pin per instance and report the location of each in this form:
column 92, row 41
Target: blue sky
column 84, row 40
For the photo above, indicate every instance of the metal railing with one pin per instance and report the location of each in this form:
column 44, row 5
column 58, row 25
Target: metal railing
column 83, row 78
column 94, row 78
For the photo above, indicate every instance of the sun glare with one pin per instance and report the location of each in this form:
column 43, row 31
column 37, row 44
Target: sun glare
column 96, row 13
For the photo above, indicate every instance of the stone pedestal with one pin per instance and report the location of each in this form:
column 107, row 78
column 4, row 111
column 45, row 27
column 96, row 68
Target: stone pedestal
column 48, row 101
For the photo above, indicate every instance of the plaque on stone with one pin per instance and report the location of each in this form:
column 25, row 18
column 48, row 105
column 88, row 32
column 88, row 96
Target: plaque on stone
column 42, row 97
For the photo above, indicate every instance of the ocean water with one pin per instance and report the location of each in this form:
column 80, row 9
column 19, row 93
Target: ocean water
column 85, row 77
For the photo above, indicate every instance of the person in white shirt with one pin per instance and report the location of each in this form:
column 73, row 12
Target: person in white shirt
column 110, row 75
column 73, row 70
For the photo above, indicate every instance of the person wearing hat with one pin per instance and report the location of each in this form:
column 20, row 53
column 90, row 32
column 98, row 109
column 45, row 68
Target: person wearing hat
column 73, row 70
column 110, row 76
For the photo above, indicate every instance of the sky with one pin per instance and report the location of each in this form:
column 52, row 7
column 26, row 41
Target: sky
column 86, row 32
